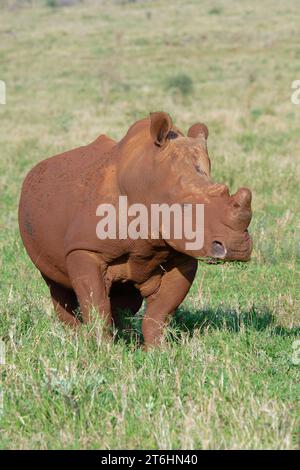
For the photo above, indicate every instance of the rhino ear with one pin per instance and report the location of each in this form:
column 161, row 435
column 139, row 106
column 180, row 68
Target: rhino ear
column 160, row 125
column 198, row 130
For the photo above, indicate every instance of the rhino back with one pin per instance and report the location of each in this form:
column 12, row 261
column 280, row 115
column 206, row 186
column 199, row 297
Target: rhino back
column 52, row 194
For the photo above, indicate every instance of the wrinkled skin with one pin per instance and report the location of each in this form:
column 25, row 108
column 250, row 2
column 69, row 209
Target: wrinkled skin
column 153, row 163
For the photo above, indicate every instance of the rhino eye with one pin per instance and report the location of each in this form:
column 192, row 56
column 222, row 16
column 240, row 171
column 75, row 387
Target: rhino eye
column 172, row 135
column 198, row 169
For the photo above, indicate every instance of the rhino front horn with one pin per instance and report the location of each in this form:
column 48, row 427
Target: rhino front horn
column 242, row 198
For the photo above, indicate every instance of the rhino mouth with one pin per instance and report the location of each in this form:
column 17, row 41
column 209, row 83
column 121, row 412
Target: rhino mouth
column 239, row 249
column 242, row 250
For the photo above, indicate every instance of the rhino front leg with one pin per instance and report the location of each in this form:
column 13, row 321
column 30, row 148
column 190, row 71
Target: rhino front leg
column 87, row 276
column 175, row 284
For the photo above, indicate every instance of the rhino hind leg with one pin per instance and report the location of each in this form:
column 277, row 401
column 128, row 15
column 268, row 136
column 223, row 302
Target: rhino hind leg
column 65, row 302
column 87, row 276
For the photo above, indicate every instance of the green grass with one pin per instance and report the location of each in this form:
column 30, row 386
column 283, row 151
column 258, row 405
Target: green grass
column 225, row 376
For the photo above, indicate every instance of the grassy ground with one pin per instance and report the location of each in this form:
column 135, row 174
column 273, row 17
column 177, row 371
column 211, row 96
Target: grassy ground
column 225, row 378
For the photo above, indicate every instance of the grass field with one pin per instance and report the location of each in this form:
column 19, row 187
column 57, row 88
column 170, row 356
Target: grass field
column 227, row 376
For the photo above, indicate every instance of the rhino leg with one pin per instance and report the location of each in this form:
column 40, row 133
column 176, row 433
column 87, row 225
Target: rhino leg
column 87, row 277
column 175, row 284
column 64, row 301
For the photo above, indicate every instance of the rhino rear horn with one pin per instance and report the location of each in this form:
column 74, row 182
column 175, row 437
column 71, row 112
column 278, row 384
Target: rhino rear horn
column 218, row 190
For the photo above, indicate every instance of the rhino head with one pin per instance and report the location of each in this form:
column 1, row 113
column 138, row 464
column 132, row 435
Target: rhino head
column 158, row 164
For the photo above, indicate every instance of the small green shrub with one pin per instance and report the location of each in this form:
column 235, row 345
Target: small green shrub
column 51, row 3
column 181, row 82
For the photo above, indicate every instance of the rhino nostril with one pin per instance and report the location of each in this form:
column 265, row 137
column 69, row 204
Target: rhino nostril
column 218, row 250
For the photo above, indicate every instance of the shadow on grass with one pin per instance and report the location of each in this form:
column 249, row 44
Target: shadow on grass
column 230, row 320
column 188, row 320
